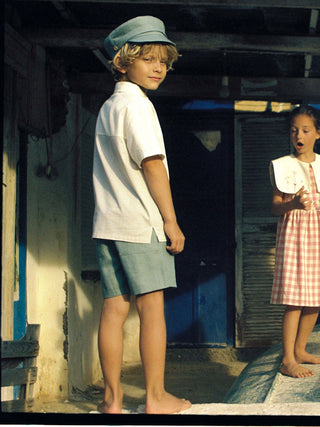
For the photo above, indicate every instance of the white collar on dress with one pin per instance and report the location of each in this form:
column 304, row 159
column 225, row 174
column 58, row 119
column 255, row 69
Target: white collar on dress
column 290, row 174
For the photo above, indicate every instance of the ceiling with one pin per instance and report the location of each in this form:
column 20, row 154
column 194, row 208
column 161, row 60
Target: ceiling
column 231, row 49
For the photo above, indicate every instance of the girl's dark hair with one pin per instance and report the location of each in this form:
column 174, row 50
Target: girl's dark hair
column 310, row 111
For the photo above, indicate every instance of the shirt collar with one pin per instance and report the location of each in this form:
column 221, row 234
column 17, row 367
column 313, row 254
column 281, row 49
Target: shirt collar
column 128, row 87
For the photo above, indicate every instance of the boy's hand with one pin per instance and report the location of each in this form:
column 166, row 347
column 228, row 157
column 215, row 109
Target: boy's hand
column 158, row 182
column 175, row 236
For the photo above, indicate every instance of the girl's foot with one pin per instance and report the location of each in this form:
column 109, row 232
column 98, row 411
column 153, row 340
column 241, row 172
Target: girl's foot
column 295, row 370
column 167, row 404
column 307, row 358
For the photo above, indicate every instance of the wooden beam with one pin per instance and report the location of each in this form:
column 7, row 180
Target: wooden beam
column 23, row 348
column 209, row 87
column 186, row 41
column 314, row 16
column 238, row 4
column 16, row 51
column 18, row 376
column 206, row 87
column 16, row 405
column 248, row 42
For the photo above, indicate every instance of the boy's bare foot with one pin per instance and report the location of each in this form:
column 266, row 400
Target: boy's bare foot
column 295, row 370
column 104, row 408
column 110, row 406
column 307, row 358
column 166, row 404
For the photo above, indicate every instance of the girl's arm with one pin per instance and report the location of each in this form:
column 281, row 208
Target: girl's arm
column 300, row 201
column 157, row 180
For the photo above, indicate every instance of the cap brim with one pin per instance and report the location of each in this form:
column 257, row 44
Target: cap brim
column 151, row 37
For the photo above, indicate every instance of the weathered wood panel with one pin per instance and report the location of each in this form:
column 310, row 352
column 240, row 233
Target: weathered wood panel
column 17, row 405
column 14, row 353
column 18, row 376
column 16, row 51
column 27, row 348
column 9, row 185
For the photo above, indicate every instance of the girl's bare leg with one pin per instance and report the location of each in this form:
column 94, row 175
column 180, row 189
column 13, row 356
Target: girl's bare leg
column 153, row 350
column 290, row 327
column 308, row 319
column 110, row 341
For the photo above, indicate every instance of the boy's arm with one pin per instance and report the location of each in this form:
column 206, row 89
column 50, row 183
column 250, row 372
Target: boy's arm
column 157, row 180
column 300, row 201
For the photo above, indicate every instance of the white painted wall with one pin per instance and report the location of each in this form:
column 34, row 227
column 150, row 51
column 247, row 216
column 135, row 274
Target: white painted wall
column 67, row 308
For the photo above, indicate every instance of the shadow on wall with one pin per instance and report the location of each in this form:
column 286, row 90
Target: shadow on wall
column 80, row 327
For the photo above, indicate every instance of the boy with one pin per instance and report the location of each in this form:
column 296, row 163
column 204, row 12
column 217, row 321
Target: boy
column 134, row 221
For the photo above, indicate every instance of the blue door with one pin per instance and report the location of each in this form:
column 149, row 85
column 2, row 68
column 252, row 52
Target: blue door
column 20, row 305
column 201, row 310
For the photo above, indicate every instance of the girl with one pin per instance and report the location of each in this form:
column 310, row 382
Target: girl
column 296, row 199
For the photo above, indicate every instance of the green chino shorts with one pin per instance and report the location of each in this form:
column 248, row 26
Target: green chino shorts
column 134, row 268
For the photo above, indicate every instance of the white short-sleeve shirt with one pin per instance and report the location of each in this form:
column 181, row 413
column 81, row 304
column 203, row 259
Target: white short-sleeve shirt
column 127, row 131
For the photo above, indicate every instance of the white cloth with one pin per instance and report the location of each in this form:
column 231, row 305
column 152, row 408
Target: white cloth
column 127, row 131
column 289, row 174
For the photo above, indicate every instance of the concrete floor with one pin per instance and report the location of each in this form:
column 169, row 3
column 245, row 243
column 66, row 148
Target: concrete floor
column 261, row 383
column 223, row 385
column 200, row 375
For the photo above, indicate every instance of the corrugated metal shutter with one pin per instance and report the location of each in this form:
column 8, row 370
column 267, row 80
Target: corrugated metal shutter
column 258, row 140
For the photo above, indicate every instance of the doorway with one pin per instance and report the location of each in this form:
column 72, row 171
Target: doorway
column 201, row 162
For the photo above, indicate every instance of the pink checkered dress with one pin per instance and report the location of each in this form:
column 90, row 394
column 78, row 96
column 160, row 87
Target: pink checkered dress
column 297, row 270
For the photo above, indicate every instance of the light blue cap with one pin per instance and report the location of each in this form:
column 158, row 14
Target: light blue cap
column 142, row 29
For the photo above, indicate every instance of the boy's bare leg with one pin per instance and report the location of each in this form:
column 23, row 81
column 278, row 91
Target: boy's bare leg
column 153, row 350
column 110, row 341
column 290, row 327
column 308, row 319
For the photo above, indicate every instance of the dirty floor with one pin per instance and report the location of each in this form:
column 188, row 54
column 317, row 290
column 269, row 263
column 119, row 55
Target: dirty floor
column 200, row 375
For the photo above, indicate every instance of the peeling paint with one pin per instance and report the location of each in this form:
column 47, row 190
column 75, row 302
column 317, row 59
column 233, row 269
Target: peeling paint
column 65, row 318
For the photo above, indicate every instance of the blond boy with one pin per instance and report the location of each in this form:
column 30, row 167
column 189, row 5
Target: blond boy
column 135, row 225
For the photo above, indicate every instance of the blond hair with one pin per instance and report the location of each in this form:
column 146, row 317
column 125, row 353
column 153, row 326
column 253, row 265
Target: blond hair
column 130, row 51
